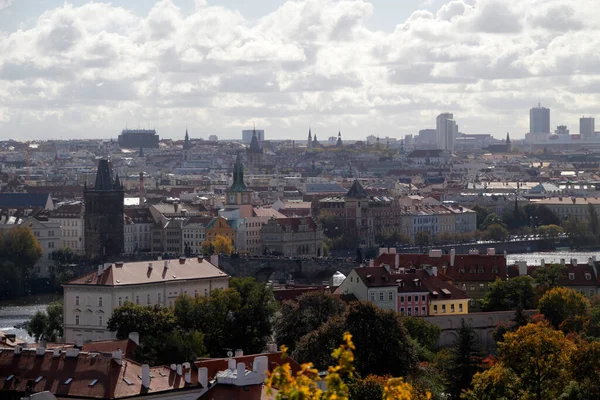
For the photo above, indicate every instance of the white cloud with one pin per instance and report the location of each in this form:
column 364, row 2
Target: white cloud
column 99, row 67
column 5, row 3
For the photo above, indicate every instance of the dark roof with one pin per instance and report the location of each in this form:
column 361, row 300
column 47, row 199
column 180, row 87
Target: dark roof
column 357, row 190
column 575, row 275
column 23, row 200
column 238, row 184
column 104, row 177
column 324, row 188
column 425, row 153
column 294, row 223
column 254, row 145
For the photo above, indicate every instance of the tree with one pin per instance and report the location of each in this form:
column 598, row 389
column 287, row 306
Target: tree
column 496, row 383
column 422, row 239
column 304, row 385
column 222, row 245
column 167, row 348
column 539, row 356
column 511, row 294
column 464, row 361
column 578, row 232
column 207, row 247
column 47, row 325
column 549, row 276
column 482, row 214
column 425, row 333
column 497, row 232
column 11, row 284
column 384, row 346
column 492, row 219
column 585, row 368
column 593, row 221
column 551, row 233
column 146, row 320
column 23, row 249
column 305, row 314
column 565, row 309
column 369, row 388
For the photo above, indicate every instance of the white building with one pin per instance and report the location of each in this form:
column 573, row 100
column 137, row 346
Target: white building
column 194, row 233
column 48, row 234
column 446, row 131
column 70, row 219
column 138, row 226
column 90, row 299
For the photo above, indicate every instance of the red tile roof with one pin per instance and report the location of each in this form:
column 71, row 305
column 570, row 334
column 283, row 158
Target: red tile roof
column 216, row 365
column 575, row 275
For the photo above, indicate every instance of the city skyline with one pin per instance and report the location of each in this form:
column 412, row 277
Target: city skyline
column 88, row 70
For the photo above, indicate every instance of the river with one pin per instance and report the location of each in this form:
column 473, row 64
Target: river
column 18, row 311
column 551, row 257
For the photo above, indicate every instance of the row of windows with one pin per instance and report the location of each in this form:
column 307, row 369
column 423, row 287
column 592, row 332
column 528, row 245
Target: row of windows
column 77, row 301
column 191, row 236
column 100, row 319
column 409, row 298
column 409, row 311
column 435, row 308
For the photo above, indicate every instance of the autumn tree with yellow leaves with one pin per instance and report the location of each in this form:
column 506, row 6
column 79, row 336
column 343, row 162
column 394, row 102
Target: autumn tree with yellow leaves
column 305, row 385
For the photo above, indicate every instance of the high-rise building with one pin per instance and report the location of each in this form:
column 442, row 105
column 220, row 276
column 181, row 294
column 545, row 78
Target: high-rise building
column 247, row 135
column 446, row 131
column 587, row 127
column 539, row 120
column 103, row 216
column 139, row 138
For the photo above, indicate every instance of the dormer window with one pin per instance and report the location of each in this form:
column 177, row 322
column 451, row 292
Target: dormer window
column 588, row 276
column 571, row 276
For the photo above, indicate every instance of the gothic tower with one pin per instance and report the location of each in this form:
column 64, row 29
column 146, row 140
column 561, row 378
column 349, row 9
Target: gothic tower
column 238, row 195
column 309, row 144
column 339, row 140
column 255, row 152
column 187, row 145
column 103, row 216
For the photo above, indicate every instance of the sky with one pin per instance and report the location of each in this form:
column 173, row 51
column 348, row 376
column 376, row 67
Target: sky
column 80, row 69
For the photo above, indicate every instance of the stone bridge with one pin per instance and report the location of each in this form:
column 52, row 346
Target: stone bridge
column 483, row 323
column 280, row 269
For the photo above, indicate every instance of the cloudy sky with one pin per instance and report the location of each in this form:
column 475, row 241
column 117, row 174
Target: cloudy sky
column 384, row 67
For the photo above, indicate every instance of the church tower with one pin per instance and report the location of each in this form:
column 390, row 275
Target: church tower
column 254, row 153
column 508, row 143
column 103, row 216
column 339, row 140
column 187, row 145
column 309, row 144
column 238, row 195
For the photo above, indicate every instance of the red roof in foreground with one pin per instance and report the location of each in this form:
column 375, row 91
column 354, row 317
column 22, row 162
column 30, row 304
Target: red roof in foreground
column 215, row 365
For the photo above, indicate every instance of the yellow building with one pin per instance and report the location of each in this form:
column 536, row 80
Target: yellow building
column 220, row 226
column 448, row 304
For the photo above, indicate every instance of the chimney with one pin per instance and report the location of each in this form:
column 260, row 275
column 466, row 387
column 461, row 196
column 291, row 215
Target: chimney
column 214, row 260
column 117, row 355
column 239, row 353
column 146, row 376
column 231, row 364
column 392, row 250
column 241, row 370
column 56, row 352
column 383, row 250
column 434, row 271
column 173, row 367
column 134, row 337
column 371, row 263
column 72, row 353
column 187, row 369
column 452, row 257
column 272, row 348
column 40, row 351
column 142, row 189
column 18, row 349
column 200, row 259
column 562, row 261
column 522, row 267
column 79, row 341
column 591, row 262
column 543, row 263
column 182, row 260
column 100, row 269
column 119, row 264
column 261, row 365
column 491, row 251
column 203, row 377
column 179, row 370
column 149, row 266
column 574, row 262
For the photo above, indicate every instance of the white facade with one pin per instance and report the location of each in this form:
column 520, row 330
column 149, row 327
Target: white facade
column 138, row 237
column 90, row 300
column 48, row 234
column 193, row 234
column 446, row 131
column 248, row 232
column 71, row 234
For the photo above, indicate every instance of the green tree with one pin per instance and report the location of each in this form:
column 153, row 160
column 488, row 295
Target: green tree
column 578, row 232
column 23, row 249
column 496, row 232
column 482, row 214
column 383, row 344
column 11, row 284
column 167, row 348
column 549, row 276
column 593, row 221
column 491, row 219
column 425, row 333
column 465, row 360
column 565, row 309
column 511, row 294
column 206, row 247
column 585, row 368
column 422, row 239
column 47, row 325
column 496, row 383
column 146, row 320
column 305, row 314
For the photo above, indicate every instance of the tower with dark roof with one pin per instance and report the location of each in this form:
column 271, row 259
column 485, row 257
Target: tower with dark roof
column 309, row 144
column 104, row 213
column 238, row 195
column 508, row 143
column 254, row 153
column 357, row 214
column 339, row 140
column 187, row 145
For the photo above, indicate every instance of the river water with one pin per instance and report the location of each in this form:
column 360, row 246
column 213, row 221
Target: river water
column 18, row 311
column 551, row 257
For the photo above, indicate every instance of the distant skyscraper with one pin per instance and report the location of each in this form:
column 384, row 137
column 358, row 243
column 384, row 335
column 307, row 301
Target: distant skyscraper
column 248, row 133
column 587, row 127
column 539, row 120
column 446, row 130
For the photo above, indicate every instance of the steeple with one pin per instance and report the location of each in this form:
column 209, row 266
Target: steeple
column 508, row 143
column 507, row 138
column 104, row 179
column 309, row 143
column 254, row 145
column 357, row 191
column 238, row 184
column 186, row 142
column 339, row 140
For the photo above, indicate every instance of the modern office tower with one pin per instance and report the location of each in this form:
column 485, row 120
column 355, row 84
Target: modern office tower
column 539, row 120
column 446, row 131
column 139, row 138
column 587, row 127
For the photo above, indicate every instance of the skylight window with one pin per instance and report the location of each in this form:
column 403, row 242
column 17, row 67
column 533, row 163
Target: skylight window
column 128, row 381
column 92, row 383
column 9, row 378
column 68, row 381
column 38, row 379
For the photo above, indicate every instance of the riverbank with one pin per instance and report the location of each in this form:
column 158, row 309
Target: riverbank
column 17, row 311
